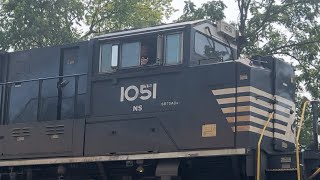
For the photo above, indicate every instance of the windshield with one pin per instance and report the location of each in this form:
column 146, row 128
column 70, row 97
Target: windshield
column 208, row 48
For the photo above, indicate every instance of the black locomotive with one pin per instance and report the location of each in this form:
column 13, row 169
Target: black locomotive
column 166, row 102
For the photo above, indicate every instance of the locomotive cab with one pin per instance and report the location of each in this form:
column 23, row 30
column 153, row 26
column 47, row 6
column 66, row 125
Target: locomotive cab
column 150, row 86
column 144, row 85
column 193, row 43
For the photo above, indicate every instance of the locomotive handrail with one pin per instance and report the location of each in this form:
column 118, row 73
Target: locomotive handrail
column 39, row 96
column 259, row 146
column 48, row 78
column 317, row 172
column 298, row 137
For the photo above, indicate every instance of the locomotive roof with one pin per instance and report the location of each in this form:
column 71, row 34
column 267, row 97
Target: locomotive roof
column 154, row 28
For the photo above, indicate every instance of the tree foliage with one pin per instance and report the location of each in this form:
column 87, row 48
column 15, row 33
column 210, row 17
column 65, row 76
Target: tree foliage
column 26, row 24
column 283, row 28
column 37, row 23
column 110, row 15
column 213, row 10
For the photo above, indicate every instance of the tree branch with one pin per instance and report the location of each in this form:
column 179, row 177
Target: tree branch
column 305, row 68
column 266, row 17
column 292, row 45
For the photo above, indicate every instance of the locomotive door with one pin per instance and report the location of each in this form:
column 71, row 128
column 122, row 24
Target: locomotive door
column 66, row 85
column 72, row 84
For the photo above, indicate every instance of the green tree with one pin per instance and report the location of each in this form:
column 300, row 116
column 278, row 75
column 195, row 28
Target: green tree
column 213, row 10
column 306, row 136
column 106, row 15
column 26, row 24
column 36, row 23
column 286, row 28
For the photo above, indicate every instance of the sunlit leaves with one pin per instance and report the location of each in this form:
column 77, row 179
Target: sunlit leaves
column 212, row 10
column 38, row 23
column 105, row 16
column 26, row 24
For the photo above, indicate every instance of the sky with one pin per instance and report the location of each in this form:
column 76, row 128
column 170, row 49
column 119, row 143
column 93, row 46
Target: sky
column 231, row 12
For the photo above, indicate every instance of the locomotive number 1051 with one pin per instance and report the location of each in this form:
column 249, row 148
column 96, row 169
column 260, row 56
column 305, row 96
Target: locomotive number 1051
column 144, row 92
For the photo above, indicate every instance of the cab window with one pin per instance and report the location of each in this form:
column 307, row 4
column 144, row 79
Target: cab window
column 150, row 50
column 208, row 48
column 130, row 54
column 173, row 49
column 105, row 58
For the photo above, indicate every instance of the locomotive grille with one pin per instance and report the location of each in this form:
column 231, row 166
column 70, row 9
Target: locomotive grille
column 20, row 133
column 55, row 131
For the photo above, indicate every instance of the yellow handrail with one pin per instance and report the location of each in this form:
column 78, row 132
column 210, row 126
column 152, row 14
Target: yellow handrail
column 297, row 139
column 317, row 172
column 259, row 146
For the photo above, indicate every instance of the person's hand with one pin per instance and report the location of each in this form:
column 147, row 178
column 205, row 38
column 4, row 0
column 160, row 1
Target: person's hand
column 144, row 60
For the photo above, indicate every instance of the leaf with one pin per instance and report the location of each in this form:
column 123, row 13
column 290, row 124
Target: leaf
column 38, row 23
column 106, row 16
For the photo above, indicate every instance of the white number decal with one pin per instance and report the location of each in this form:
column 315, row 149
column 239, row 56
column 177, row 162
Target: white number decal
column 144, row 93
column 136, row 93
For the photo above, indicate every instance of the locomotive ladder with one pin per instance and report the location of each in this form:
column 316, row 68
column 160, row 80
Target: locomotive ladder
column 300, row 123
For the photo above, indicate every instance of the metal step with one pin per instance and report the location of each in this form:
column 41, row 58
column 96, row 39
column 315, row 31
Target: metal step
column 281, row 170
column 281, row 174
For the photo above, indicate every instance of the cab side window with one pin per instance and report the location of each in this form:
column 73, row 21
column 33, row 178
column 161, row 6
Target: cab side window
column 146, row 51
column 173, row 49
column 130, row 54
column 105, row 58
column 148, row 54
